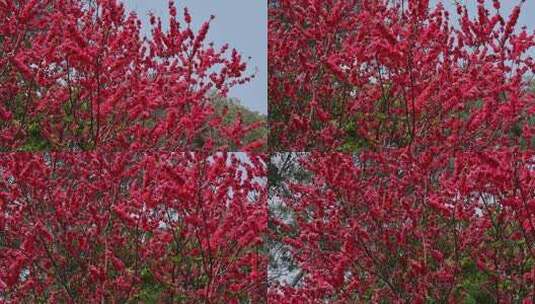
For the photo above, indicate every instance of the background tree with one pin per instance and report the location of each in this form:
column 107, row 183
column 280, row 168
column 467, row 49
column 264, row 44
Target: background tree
column 254, row 124
column 283, row 169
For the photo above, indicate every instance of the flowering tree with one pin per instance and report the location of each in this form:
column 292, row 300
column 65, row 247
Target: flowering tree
column 132, row 227
column 394, row 228
column 346, row 75
column 77, row 75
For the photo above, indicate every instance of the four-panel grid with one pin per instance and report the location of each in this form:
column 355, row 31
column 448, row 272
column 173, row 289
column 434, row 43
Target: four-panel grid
column 294, row 151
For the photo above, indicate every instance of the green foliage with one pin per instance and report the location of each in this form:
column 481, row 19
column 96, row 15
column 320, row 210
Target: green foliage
column 151, row 290
column 473, row 286
column 353, row 142
column 35, row 141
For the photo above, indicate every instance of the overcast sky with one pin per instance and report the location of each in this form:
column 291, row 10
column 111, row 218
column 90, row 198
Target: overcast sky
column 526, row 18
column 241, row 23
